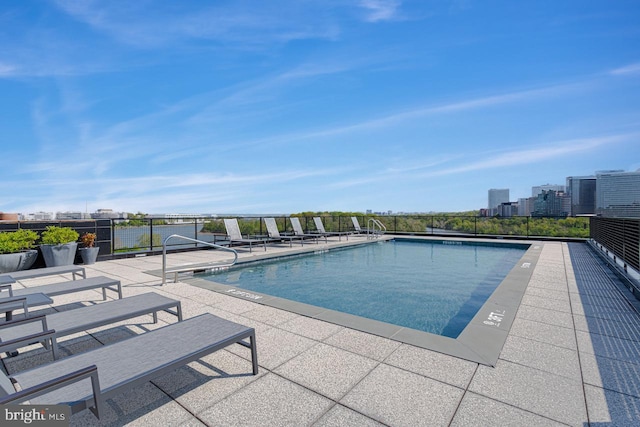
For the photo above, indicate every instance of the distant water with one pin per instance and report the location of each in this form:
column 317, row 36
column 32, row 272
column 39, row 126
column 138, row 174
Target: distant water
column 130, row 237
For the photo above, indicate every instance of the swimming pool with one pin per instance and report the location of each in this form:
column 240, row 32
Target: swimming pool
column 430, row 286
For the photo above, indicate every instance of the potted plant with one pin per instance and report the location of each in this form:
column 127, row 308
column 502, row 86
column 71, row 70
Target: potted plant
column 58, row 245
column 17, row 250
column 89, row 252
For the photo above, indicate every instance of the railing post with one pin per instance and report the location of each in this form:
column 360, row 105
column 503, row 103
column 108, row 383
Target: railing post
column 151, row 235
column 113, row 236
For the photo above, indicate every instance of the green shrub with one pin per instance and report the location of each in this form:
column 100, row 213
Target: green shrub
column 16, row 241
column 55, row 235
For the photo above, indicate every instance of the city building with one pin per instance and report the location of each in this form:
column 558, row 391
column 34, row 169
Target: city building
column 508, row 209
column 72, row 215
column 525, row 206
column 537, row 189
column 549, row 203
column 582, row 192
column 497, row 196
column 107, row 214
column 618, row 194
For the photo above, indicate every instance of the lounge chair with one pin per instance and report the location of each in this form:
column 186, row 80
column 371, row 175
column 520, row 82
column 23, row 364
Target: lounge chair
column 62, row 288
column 356, row 226
column 87, row 380
column 320, row 230
column 46, row 329
column 274, row 234
column 33, row 294
column 42, row 272
column 297, row 229
column 234, row 235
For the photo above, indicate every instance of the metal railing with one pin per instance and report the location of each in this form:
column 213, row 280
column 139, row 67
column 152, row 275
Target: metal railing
column 375, row 228
column 620, row 236
column 192, row 267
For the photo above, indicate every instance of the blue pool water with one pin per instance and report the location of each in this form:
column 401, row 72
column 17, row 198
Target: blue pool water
column 432, row 286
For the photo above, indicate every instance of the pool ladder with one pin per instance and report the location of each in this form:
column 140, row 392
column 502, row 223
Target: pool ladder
column 375, row 228
column 193, row 267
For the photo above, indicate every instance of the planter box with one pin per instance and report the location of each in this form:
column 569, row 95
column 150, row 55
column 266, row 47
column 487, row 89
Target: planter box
column 17, row 261
column 55, row 255
column 89, row 255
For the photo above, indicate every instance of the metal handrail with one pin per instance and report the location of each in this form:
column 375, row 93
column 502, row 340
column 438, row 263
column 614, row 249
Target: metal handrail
column 164, row 253
column 371, row 227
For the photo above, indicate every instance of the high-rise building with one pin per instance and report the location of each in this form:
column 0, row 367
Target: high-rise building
column 618, row 194
column 525, row 206
column 497, row 196
column 582, row 191
column 537, row 189
column 549, row 203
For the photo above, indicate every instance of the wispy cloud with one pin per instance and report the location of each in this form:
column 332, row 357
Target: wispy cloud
column 380, row 10
column 7, row 70
column 626, row 70
column 265, row 23
column 554, row 150
column 394, row 119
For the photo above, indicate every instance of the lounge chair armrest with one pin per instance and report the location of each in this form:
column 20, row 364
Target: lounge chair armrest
column 9, row 300
column 26, row 340
column 7, row 286
column 59, row 382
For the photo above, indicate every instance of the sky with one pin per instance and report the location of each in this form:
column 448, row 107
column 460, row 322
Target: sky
column 285, row 106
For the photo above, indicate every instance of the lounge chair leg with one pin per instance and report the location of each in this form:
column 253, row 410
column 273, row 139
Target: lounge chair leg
column 254, row 354
column 54, row 348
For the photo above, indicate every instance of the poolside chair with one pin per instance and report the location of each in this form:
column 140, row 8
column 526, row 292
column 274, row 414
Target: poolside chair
column 274, row 234
column 234, row 235
column 87, row 380
column 356, row 226
column 62, row 288
column 297, row 230
column 320, row 229
column 75, row 270
column 46, row 329
column 54, row 289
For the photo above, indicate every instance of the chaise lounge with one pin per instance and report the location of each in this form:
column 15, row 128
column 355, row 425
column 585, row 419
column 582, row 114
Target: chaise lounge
column 14, row 276
column 69, row 287
column 297, row 229
column 235, row 236
column 87, row 380
column 274, row 234
column 46, row 329
column 320, row 227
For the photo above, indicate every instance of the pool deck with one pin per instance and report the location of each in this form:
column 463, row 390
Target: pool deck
column 571, row 357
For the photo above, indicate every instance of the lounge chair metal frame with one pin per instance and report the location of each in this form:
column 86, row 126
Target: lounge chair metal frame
column 157, row 353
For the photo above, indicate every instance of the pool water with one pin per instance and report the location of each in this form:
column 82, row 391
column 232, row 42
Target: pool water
column 432, row 286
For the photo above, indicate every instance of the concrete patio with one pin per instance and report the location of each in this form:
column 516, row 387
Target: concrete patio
column 571, row 358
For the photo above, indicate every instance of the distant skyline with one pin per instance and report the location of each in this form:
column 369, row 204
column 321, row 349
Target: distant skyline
column 288, row 106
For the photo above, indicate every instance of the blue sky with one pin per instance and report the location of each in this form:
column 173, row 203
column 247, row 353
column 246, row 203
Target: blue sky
column 285, row 106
